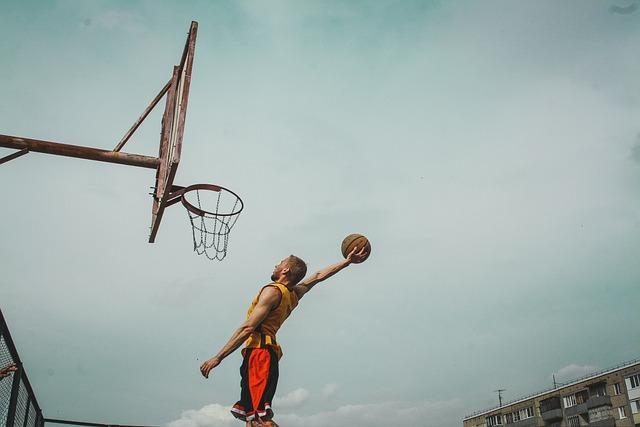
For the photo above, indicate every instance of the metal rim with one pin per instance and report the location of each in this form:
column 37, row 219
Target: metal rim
column 208, row 187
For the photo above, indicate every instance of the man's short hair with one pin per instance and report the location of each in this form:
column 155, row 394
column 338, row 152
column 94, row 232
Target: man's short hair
column 297, row 269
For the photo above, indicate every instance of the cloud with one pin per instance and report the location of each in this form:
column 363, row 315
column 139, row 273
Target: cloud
column 624, row 10
column 294, row 399
column 427, row 413
column 209, row 415
column 119, row 20
column 329, row 390
column 444, row 413
column 104, row 16
column 574, row 371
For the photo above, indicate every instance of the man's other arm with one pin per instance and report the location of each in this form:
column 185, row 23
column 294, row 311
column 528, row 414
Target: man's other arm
column 269, row 298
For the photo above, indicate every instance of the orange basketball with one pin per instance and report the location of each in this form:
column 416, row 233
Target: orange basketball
column 353, row 240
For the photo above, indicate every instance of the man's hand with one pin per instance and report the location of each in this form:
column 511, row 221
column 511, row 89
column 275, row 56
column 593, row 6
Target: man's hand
column 356, row 256
column 8, row 370
column 207, row 366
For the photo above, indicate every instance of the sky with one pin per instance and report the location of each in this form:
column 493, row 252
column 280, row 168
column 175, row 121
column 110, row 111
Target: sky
column 490, row 151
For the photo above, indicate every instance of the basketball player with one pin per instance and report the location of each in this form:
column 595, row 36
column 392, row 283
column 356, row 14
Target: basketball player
column 261, row 354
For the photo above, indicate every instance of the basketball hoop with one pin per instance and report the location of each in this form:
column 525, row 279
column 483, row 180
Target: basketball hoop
column 213, row 210
column 212, row 225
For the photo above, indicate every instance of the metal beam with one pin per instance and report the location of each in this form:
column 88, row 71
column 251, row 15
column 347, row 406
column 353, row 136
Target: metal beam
column 74, row 423
column 83, row 423
column 78, row 151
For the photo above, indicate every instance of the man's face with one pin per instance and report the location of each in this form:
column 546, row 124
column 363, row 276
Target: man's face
column 278, row 270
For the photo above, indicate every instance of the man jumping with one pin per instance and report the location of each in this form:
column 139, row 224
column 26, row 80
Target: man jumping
column 268, row 311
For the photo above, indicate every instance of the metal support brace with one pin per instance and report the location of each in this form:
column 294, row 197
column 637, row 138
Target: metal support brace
column 14, row 155
column 143, row 116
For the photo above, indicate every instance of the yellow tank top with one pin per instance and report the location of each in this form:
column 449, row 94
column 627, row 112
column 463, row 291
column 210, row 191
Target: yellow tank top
column 265, row 333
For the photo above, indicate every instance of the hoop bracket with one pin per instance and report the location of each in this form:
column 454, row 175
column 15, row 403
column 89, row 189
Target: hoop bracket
column 175, row 193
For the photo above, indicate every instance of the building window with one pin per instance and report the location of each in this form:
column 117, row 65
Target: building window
column 582, row 397
column 519, row 415
column 617, row 389
column 569, row 401
column 635, row 406
column 634, row 381
column 550, row 404
column 494, row 420
column 526, row 413
column 599, row 391
column 574, row 421
column 622, row 413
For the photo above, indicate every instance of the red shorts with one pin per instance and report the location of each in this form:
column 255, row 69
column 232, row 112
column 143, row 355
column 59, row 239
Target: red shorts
column 259, row 373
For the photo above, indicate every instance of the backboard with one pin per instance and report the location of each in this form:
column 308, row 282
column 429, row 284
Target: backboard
column 172, row 132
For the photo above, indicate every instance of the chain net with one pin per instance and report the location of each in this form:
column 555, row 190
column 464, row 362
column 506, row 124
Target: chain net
column 211, row 228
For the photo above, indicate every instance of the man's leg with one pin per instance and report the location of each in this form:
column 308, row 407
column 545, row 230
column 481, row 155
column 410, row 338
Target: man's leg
column 243, row 407
column 270, row 390
column 259, row 374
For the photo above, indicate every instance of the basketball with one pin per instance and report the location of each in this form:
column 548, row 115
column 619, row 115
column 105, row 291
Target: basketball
column 353, row 240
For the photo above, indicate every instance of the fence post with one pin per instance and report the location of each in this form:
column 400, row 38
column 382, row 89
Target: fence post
column 13, row 401
column 27, row 411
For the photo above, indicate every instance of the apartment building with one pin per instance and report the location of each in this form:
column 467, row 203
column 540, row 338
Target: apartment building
column 609, row 398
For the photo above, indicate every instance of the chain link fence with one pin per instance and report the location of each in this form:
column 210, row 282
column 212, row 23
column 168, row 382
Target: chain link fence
column 18, row 404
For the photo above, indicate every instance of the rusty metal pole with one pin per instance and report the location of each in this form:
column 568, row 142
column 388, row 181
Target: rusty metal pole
column 78, row 151
column 88, row 424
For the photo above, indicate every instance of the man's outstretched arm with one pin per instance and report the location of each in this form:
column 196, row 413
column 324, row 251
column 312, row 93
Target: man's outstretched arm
column 356, row 255
column 269, row 298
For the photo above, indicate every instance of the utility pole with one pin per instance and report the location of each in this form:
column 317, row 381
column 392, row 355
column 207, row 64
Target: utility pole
column 499, row 391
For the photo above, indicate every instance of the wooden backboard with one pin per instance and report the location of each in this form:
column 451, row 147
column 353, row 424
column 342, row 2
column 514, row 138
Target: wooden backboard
column 173, row 121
